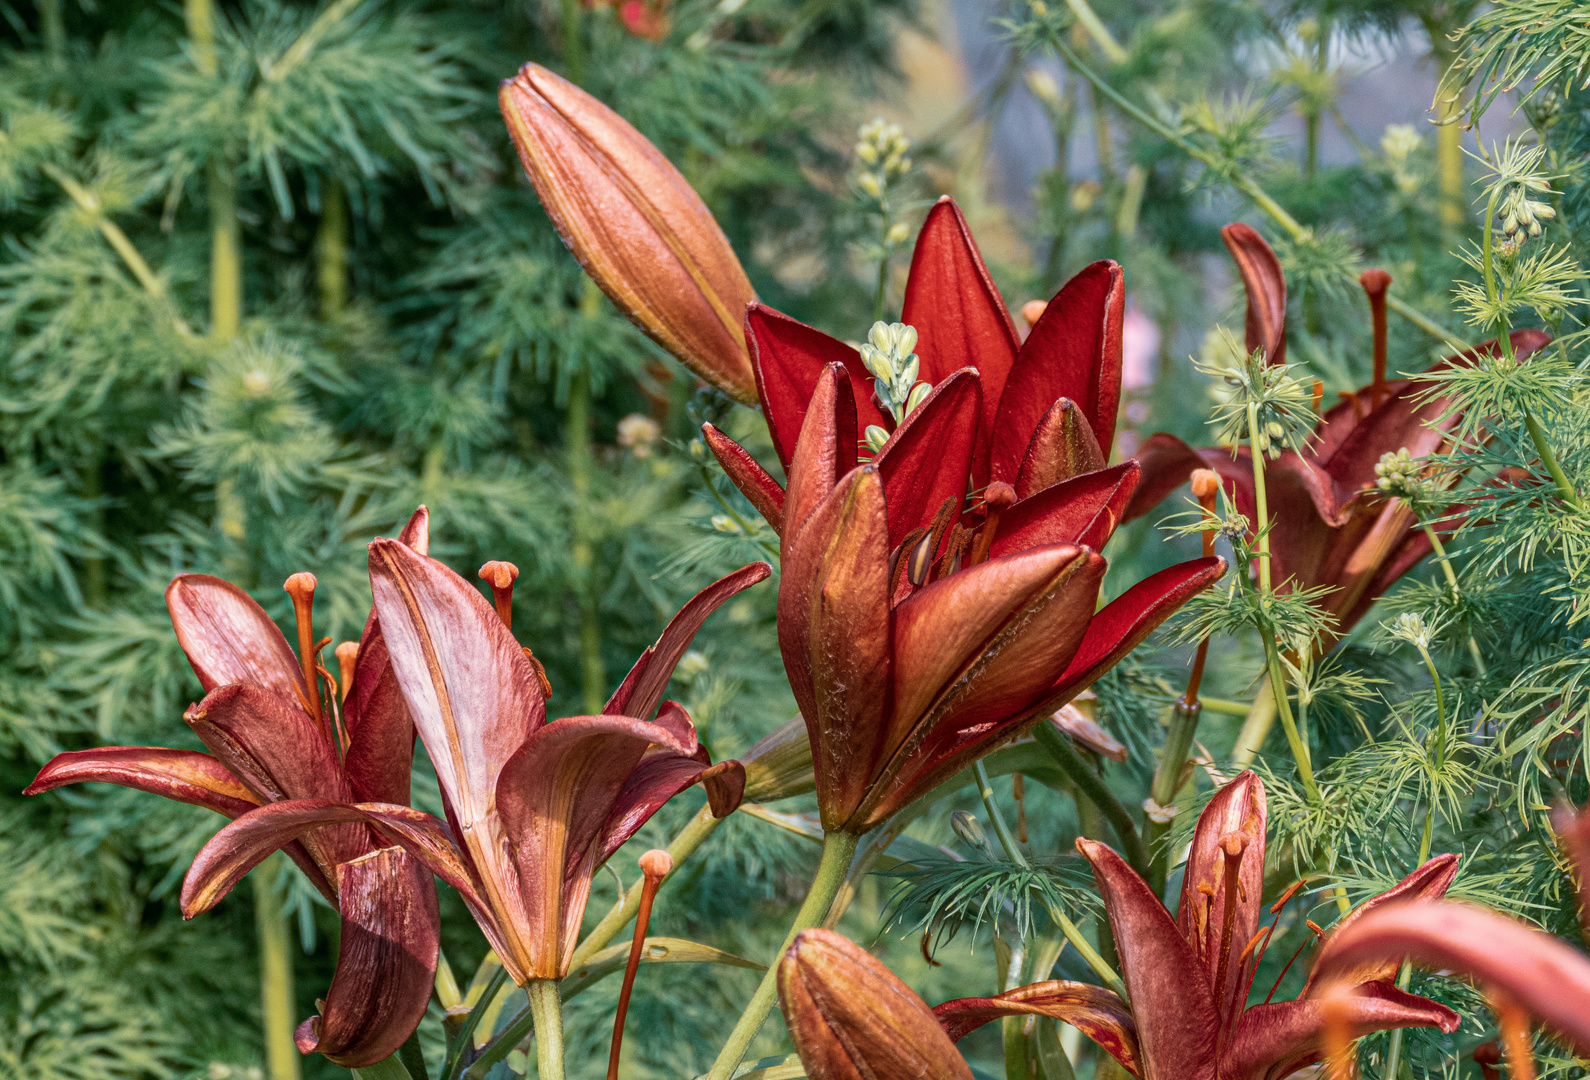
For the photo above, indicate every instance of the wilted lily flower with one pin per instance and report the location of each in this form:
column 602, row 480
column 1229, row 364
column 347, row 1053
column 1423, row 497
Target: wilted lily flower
column 919, row 635
column 534, row 807
column 1332, row 524
column 636, row 226
column 276, row 740
column 1547, row 977
column 1189, row 976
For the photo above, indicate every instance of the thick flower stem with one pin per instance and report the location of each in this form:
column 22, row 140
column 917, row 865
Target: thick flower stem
column 547, row 1009
column 1549, row 459
column 276, row 971
column 1091, row 785
column 1256, row 726
column 1167, row 781
column 331, row 250
column 838, row 849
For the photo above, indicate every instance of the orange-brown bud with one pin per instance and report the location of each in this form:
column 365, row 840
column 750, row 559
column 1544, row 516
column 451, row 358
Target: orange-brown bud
column 635, row 225
column 850, row 1017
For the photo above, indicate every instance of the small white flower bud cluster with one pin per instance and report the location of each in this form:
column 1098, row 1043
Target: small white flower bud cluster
column 1520, row 212
column 888, row 354
column 1398, row 474
column 885, row 150
column 1399, row 144
column 638, row 433
column 1411, row 627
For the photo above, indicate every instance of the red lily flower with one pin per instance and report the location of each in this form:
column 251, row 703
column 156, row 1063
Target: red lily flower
column 1547, row 977
column 275, row 740
column 1331, row 525
column 918, row 638
column 533, row 808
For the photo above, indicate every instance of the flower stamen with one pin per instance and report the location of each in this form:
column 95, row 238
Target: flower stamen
column 501, row 576
column 301, row 587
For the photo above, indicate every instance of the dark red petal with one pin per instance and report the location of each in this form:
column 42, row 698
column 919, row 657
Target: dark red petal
column 386, row 960
column 1428, row 882
column 1275, row 1040
column 1073, row 352
column 660, row 775
column 748, row 475
column 788, row 357
column 835, row 637
column 228, row 638
column 1096, row 1012
column 380, row 731
column 417, row 531
column 643, row 687
column 928, row 457
column 1083, row 510
column 1266, row 289
column 950, row 298
column 1175, row 1014
column 1128, row 619
column 1167, row 463
column 825, row 451
column 1062, row 446
column 1238, row 809
column 183, row 775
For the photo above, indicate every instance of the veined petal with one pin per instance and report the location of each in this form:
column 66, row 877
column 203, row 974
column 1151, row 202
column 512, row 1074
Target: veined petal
column 1175, row 1013
column 1128, row 619
column 643, row 687
column 468, row 686
column 825, row 451
column 788, row 357
column 416, row 532
column 1083, row 510
column 1063, row 445
column 1074, row 352
column 1238, row 810
column 1427, row 883
column 661, row 774
column 748, row 475
column 1275, row 1040
column 851, row 1018
column 834, row 633
column 557, row 796
column 950, row 298
column 927, row 459
column 386, row 962
column 183, row 775
column 228, row 638
column 1096, row 1012
column 1266, row 288
column 380, row 731
column 1547, row 977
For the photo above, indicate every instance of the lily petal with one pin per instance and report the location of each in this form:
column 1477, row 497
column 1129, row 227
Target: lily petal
column 228, row 638
column 276, row 749
column 386, row 962
column 1274, row 1040
column 1176, row 1019
column 851, row 1018
column 788, row 357
column 1082, row 510
column 1265, row 285
column 825, row 451
column 660, row 775
column 643, row 687
column 1096, row 1012
column 416, row 531
column 1062, row 446
column 1427, row 883
column 927, row 458
column 1167, row 463
column 1074, row 351
column 183, row 775
column 380, row 753
column 748, row 475
column 1547, row 977
column 834, row 633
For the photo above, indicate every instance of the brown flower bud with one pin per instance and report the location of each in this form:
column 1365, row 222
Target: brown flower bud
column 851, row 1017
column 635, row 225
column 780, row 764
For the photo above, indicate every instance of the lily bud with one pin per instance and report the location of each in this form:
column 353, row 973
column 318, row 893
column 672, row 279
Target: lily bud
column 851, row 1017
column 780, row 764
column 635, row 225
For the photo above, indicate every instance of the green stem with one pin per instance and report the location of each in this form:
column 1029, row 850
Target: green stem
column 1222, row 705
column 1451, row 579
column 1093, row 786
column 276, row 970
column 1260, row 499
column 838, row 848
column 1548, row 459
column 883, row 285
column 1167, row 781
column 1256, row 728
column 331, row 250
column 466, row 1032
column 1007, row 839
column 548, row 1013
column 573, row 47
column 1100, row 33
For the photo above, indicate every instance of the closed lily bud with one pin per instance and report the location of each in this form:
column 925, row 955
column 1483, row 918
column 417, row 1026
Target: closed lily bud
column 851, row 1018
column 780, row 764
column 635, row 225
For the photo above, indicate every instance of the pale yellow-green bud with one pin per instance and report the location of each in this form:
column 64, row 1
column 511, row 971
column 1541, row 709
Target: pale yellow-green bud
column 725, row 524
column 919, row 394
column 875, row 437
column 899, row 232
column 1042, row 85
column 868, row 182
column 867, row 152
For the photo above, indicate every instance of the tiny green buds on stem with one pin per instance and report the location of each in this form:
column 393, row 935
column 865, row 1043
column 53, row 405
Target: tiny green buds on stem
column 889, row 356
column 970, row 830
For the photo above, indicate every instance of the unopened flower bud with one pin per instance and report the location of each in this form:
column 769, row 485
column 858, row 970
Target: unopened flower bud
column 875, row 437
column 635, row 225
column 725, row 524
column 969, row 829
column 1042, row 85
column 868, row 182
column 899, row 232
column 780, row 764
column 918, row 395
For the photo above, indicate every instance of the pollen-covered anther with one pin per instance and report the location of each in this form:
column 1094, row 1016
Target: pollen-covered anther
column 501, row 576
column 997, row 498
column 301, row 587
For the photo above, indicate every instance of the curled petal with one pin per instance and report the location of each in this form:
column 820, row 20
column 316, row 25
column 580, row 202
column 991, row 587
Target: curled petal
column 748, row 475
column 380, row 753
column 851, row 1018
column 386, row 961
column 643, row 687
column 228, row 638
column 1545, row 976
column 1274, row 1040
column 1096, row 1012
column 184, row 775
column 1266, row 289
column 1083, row 510
column 1428, row 882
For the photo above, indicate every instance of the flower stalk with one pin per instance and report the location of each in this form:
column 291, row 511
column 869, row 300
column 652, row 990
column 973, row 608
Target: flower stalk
column 547, row 1011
